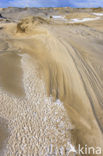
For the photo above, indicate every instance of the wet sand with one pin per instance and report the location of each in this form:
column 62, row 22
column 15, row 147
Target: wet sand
column 4, row 134
column 59, row 60
column 11, row 73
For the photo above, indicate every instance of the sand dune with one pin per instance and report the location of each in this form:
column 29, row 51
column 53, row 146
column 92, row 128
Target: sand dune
column 51, row 91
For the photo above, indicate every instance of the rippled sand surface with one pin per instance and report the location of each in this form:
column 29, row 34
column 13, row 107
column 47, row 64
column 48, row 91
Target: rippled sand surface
column 51, row 84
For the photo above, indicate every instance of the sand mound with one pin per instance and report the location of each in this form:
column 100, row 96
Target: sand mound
column 30, row 22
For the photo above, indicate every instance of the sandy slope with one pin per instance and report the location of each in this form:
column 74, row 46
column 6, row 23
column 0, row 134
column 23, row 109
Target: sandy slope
column 37, row 125
column 59, row 60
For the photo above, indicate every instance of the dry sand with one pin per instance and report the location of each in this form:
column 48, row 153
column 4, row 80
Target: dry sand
column 51, row 85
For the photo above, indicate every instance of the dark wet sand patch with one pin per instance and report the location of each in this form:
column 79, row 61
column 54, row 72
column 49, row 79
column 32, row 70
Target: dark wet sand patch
column 4, row 134
column 3, row 45
column 11, row 73
column 1, row 28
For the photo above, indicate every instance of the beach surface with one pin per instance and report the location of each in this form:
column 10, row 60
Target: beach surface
column 51, row 81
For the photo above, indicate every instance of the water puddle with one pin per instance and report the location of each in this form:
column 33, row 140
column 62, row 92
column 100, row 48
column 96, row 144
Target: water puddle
column 58, row 17
column 76, row 20
column 98, row 14
column 11, row 73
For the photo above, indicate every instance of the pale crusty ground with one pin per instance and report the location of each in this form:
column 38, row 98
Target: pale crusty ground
column 69, row 61
column 37, row 125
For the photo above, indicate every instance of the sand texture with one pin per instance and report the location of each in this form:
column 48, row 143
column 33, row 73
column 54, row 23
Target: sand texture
column 51, row 81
